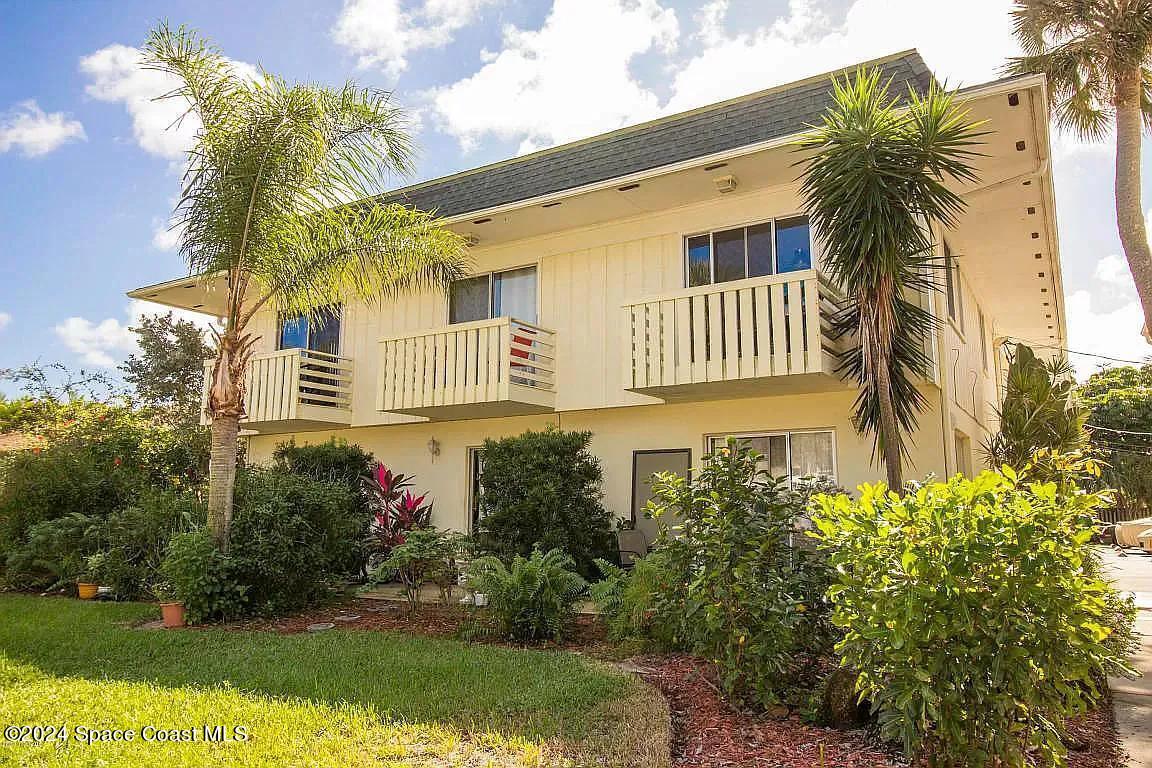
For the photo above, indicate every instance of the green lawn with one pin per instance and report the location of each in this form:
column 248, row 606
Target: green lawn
column 338, row 698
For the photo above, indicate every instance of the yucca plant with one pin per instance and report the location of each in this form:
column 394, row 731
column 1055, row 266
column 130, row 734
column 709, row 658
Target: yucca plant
column 280, row 198
column 876, row 178
column 532, row 599
column 1097, row 56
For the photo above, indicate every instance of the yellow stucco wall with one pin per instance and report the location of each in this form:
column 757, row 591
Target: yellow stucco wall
column 616, row 434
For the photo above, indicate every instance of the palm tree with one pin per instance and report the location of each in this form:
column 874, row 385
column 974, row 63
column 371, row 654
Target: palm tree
column 1040, row 410
column 267, row 202
column 874, row 182
column 1097, row 56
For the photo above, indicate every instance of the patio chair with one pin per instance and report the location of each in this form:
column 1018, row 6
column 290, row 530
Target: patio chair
column 632, row 544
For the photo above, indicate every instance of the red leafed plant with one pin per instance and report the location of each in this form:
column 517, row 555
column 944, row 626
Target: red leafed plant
column 395, row 510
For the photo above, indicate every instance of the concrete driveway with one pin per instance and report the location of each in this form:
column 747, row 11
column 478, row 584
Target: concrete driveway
column 1132, row 699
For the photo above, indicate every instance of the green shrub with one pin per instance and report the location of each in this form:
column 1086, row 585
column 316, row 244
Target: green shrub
column 292, row 537
column 541, row 490
column 532, row 599
column 642, row 605
column 53, row 553
column 133, row 541
column 335, row 461
column 59, row 481
column 971, row 613
column 202, row 577
column 426, row 556
column 750, row 599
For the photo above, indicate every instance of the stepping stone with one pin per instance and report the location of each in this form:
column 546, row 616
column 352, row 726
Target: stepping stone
column 321, row 627
column 348, row 617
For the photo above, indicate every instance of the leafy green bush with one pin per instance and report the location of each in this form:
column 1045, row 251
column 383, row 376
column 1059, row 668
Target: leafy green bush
column 59, row 481
column 532, row 599
column 201, row 576
column 642, row 605
column 750, row 599
column 291, row 537
column 970, row 610
column 425, row 556
column 53, row 553
column 541, row 490
column 335, row 461
column 133, row 541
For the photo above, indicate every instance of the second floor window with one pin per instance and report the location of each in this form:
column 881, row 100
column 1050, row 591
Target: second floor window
column 953, row 289
column 319, row 334
column 511, row 293
column 781, row 245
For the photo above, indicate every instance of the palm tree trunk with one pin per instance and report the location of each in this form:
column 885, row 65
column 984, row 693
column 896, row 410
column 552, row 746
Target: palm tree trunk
column 1129, row 213
column 222, row 477
column 889, row 432
column 225, row 406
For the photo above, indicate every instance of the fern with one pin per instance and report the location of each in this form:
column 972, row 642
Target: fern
column 532, row 599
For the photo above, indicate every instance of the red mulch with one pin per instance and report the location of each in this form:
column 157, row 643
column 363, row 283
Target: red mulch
column 707, row 732
column 432, row 620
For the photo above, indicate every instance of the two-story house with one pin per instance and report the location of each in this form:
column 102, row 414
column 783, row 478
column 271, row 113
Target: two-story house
column 660, row 286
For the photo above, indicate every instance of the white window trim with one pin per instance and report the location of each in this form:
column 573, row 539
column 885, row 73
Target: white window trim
column 813, row 246
column 708, row 438
column 489, row 274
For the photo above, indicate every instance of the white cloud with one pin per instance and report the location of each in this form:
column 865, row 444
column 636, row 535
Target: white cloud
column 1106, row 321
column 5, row 319
column 35, row 132
column 106, row 343
column 165, row 237
column 806, row 42
column 566, row 80
column 383, row 32
column 116, row 76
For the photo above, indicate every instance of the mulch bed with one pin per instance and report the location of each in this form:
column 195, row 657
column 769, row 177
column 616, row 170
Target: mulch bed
column 710, row 733
column 707, row 732
column 432, row 620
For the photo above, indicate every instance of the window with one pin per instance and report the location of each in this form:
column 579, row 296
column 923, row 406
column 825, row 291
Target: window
column 953, row 288
column 963, row 447
column 511, row 293
column 645, row 464
column 475, row 490
column 791, row 455
column 320, row 334
column 783, row 245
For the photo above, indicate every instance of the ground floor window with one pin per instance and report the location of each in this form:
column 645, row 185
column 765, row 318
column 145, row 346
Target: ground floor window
column 475, row 490
column 790, row 455
column 963, row 447
column 645, row 464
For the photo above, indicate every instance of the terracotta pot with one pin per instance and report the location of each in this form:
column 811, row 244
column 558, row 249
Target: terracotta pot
column 86, row 591
column 173, row 615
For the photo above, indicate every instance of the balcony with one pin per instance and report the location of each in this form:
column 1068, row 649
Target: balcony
column 765, row 335
column 294, row 390
column 483, row 369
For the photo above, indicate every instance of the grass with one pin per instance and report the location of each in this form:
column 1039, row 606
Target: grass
column 339, row 698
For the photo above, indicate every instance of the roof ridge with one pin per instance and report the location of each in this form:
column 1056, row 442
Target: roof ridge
column 911, row 54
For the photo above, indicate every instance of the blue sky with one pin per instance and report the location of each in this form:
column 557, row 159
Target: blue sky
column 88, row 168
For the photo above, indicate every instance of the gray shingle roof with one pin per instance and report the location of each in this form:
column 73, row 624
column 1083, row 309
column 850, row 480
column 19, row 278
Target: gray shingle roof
column 716, row 128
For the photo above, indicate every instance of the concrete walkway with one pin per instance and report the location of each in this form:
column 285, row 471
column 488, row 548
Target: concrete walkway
column 1132, row 699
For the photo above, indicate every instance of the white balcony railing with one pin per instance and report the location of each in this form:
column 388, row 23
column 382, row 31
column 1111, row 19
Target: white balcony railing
column 486, row 368
column 294, row 389
column 749, row 329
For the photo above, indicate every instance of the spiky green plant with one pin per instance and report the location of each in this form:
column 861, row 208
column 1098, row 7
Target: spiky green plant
column 878, row 174
column 1097, row 56
column 1039, row 410
column 265, row 203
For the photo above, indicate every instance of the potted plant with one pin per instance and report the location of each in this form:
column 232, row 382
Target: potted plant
column 86, row 587
column 171, row 609
column 87, row 583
